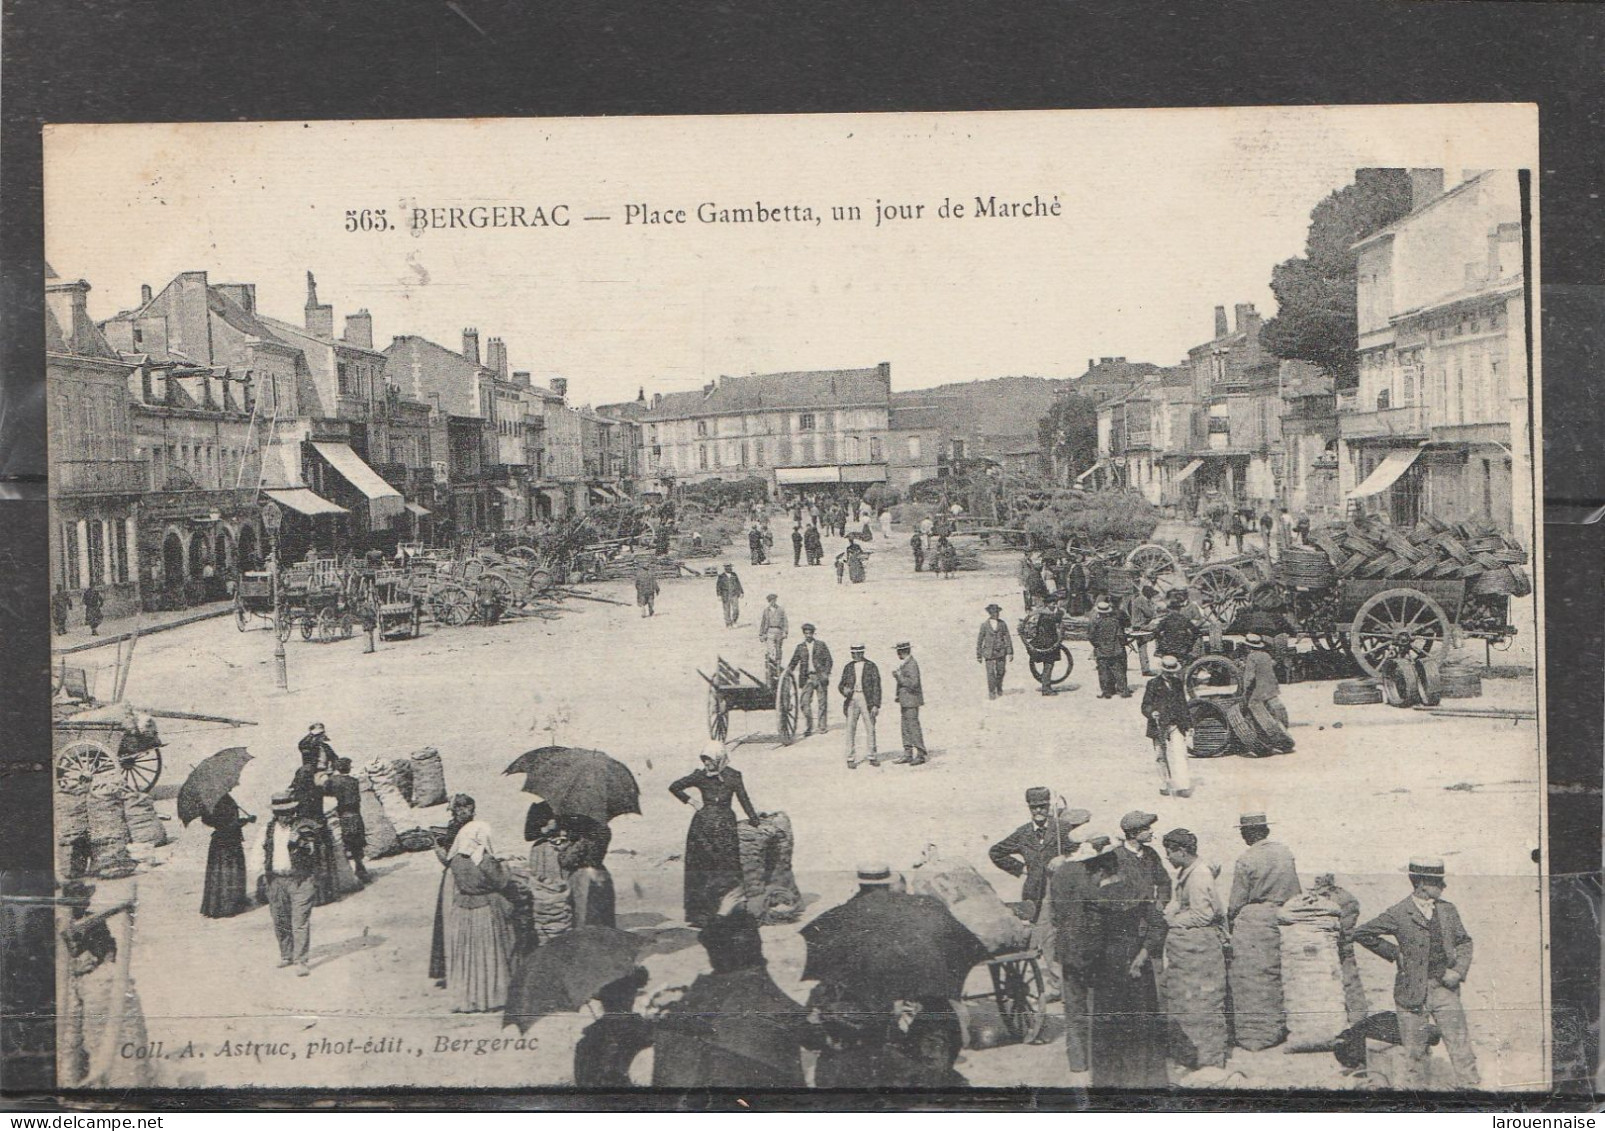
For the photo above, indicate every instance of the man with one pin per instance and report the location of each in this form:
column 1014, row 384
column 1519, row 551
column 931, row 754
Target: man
column 488, row 595
column 348, row 808
column 60, row 606
column 289, row 864
column 772, row 629
column 315, row 748
column 1258, row 684
column 861, row 703
column 1265, row 878
column 1432, row 953
column 796, row 544
column 813, row 546
column 1237, row 528
column 1302, row 529
column 810, row 667
column 755, row 544
column 728, row 586
column 1141, row 611
column 1107, row 635
column 916, row 542
column 1170, row 727
column 1195, row 960
column 910, row 695
column 1266, row 525
column 1029, row 849
column 646, row 587
column 1137, row 829
column 1175, row 633
column 1032, row 586
column 993, row 649
column 94, row 606
column 1041, row 632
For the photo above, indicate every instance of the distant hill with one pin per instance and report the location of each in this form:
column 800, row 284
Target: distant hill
column 998, row 406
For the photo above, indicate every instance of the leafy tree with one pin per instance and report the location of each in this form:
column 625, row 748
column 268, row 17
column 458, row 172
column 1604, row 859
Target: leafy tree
column 1069, row 434
column 1315, row 318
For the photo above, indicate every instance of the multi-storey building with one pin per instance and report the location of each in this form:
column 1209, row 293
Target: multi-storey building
column 1439, row 420
column 924, row 436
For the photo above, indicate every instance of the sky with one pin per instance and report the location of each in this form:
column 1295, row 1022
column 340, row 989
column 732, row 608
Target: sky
column 1162, row 216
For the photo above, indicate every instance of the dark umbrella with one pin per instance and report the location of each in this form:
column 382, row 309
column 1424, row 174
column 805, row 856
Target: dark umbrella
column 579, row 782
column 888, row 946
column 209, row 781
column 564, row 974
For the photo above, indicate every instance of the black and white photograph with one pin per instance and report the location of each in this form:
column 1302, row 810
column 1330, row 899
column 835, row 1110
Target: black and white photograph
column 867, row 601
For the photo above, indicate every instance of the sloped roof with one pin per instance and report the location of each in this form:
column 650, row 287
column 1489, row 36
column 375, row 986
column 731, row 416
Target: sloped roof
column 824, row 389
column 82, row 338
column 281, row 328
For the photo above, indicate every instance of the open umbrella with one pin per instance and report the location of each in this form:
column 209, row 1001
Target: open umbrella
column 579, row 782
column 888, row 946
column 209, row 781
column 564, row 974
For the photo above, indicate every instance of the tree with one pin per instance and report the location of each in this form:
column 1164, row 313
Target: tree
column 1315, row 317
column 1069, row 434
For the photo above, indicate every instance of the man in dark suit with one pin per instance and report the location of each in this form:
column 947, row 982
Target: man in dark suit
column 1176, row 633
column 1170, row 725
column 796, row 544
column 993, row 650
column 315, row 748
column 861, row 703
column 910, row 695
column 1432, row 951
column 814, row 548
column 1028, row 849
column 810, row 666
column 348, row 808
column 728, row 586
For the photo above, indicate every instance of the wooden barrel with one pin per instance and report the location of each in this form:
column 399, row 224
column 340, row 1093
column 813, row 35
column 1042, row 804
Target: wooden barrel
column 1304, row 567
column 1212, row 734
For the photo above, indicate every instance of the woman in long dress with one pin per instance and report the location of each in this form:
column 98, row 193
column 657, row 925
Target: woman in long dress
column 712, row 847
column 225, row 860
column 855, row 561
column 582, row 848
column 479, row 928
column 462, row 811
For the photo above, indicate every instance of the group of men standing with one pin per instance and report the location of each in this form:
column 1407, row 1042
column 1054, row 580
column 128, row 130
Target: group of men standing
column 860, row 688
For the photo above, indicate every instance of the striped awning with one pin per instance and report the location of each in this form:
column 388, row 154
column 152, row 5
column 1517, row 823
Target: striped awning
column 305, row 501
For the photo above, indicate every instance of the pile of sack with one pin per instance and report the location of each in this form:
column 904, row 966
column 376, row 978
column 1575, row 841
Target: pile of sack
column 390, row 790
column 767, row 881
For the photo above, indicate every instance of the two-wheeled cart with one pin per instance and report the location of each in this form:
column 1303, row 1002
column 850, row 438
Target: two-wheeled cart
column 735, row 689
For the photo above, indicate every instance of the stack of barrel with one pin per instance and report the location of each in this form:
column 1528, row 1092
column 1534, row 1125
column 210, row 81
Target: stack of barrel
column 1222, row 722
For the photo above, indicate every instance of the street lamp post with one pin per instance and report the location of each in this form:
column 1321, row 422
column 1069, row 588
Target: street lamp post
column 272, row 516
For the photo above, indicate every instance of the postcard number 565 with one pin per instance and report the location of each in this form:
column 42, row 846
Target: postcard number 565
column 366, row 220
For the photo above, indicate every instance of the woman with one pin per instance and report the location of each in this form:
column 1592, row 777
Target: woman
column 462, row 811
column 855, row 561
column 712, row 848
column 225, row 860
column 479, row 928
column 582, row 845
column 947, row 558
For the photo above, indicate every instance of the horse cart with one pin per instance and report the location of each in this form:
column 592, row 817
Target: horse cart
column 253, row 598
column 105, row 738
column 317, row 598
column 736, row 689
column 397, row 611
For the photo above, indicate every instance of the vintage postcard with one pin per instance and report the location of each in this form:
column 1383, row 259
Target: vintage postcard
column 885, row 601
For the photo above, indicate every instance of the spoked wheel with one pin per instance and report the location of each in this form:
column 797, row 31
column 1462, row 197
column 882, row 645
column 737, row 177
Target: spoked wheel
column 503, row 589
column 452, row 604
column 348, row 624
column 718, row 716
column 1152, row 560
column 1059, row 664
column 1393, row 616
column 329, row 625
column 77, row 763
column 1017, row 986
column 141, row 766
column 786, row 708
column 1209, row 676
column 1222, row 591
column 308, row 626
column 540, row 580
column 242, row 619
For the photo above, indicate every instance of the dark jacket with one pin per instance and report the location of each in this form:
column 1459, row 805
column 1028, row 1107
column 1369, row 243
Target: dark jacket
column 1174, row 634
column 910, row 690
column 728, row 585
column 316, row 748
column 1164, row 704
column 303, row 851
column 1162, row 880
column 1106, row 635
column 1412, row 942
column 822, row 659
column 347, row 796
column 1027, row 850
column 871, row 682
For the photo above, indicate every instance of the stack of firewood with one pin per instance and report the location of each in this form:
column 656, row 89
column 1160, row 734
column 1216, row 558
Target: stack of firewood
column 1430, row 550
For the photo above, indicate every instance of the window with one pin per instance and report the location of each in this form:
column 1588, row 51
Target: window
column 757, row 452
column 1487, row 489
column 1383, row 402
column 914, row 447
column 97, row 552
column 119, row 552
column 344, row 377
column 805, row 422
column 743, row 453
column 657, row 452
column 702, row 457
column 69, row 555
column 716, row 462
column 702, row 428
column 874, row 449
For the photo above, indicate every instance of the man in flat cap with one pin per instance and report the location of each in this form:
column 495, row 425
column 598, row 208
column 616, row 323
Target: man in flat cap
column 860, row 688
column 993, row 649
column 1137, row 828
column 1432, row 953
column 1028, row 850
column 772, row 630
column 810, row 666
column 1265, row 877
column 910, row 695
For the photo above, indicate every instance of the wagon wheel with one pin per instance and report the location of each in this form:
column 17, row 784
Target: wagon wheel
column 522, row 553
column 1152, row 560
column 451, row 604
column 1209, row 676
column 347, row 625
column 1017, row 985
column 328, row 624
column 242, row 619
column 718, row 715
column 1222, row 591
column 308, row 625
column 1390, row 615
column 503, row 589
column 540, row 580
column 141, row 767
column 786, row 709
column 1052, row 662
column 77, row 763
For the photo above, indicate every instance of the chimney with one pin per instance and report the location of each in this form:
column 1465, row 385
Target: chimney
column 1105, row 360
column 640, row 397
column 1221, row 328
column 1426, row 185
column 242, row 295
column 521, row 377
column 657, row 400
column 144, row 294
column 359, row 329
column 560, row 386
column 1092, row 363
column 707, row 390
column 884, row 371
column 471, row 345
column 319, row 316
column 496, row 357
column 69, row 302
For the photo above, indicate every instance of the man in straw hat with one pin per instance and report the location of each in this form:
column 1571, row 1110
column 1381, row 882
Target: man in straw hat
column 1265, row 878
column 1259, row 683
column 1107, row 635
column 1170, row 727
column 1028, row 850
column 860, row 688
column 290, row 864
column 1432, row 953
column 994, row 649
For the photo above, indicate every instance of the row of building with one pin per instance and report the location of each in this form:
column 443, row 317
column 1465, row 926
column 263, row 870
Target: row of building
column 1439, row 421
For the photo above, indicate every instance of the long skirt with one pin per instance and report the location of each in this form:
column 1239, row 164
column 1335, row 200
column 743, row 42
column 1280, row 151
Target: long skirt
column 225, row 876
column 712, row 862
column 1128, row 1030
column 591, row 890
column 327, row 888
column 479, row 955
column 1195, row 996
column 1256, row 974
column 437, row 940
column 855, row 570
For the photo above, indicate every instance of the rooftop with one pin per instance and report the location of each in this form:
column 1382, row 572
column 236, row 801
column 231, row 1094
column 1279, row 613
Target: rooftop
column 823, row 389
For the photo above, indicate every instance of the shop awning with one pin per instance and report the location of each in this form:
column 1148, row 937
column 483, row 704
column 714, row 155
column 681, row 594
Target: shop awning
column 304, row 501
column 384, row 501
column 1100, row 464
column 418, row 510
column 1383, row 476
column 1186, row 472
column 863, row 473
column 789, row 476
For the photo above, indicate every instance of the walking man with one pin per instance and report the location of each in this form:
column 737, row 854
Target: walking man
column 861, row 703
column 60, row 606
column 1265, row 878
column 796, row 544
column 1140, row 614
column 917, row 542
column 910, row 696
column 1032, row 587
column 730, row 592
column 814, row 548
column 1108, row 639
column 646, row 587
column 94, row 606
column 810, row 666
column 348, row 808
column 993, row 649
column 772, row 631
column 289, row 862
column 1170, row 727
column 1432, row 953
column 755, row 544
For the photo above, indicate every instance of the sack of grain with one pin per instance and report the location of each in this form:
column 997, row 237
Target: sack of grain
column 376, row 824
column 768, row 885
column 144, row 826
column 107, row 823
column 428, row 778
column 72, row 814
column 401, row 773
column 381, row 776
column 1312, row 974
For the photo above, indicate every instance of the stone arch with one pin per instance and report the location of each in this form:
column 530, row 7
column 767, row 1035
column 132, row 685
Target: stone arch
column 200, row 553
column 247, row 550
column 175, row 559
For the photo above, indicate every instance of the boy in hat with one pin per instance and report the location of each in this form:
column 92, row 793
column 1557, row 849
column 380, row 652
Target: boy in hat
column 861, row 703
column 290, row 864
column 1108, row 639
column 772, row 629
column 1170, row 727
column 1259, row 684
column 1029, row 849
column 1432, row 951
column 993, row 649
column 910, row 696
column 811, row 662
column 1138, row 829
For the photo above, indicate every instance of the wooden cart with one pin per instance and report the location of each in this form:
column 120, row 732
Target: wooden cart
column 316, row 598
column 397, row 611
column 253, row 598
column 736, row 689
column 99, row 739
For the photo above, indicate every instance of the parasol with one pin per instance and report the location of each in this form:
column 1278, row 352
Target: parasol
column 732, row 1030
column 562, row 975
column 209, row 781
column 579, row 782
column 888, row 946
